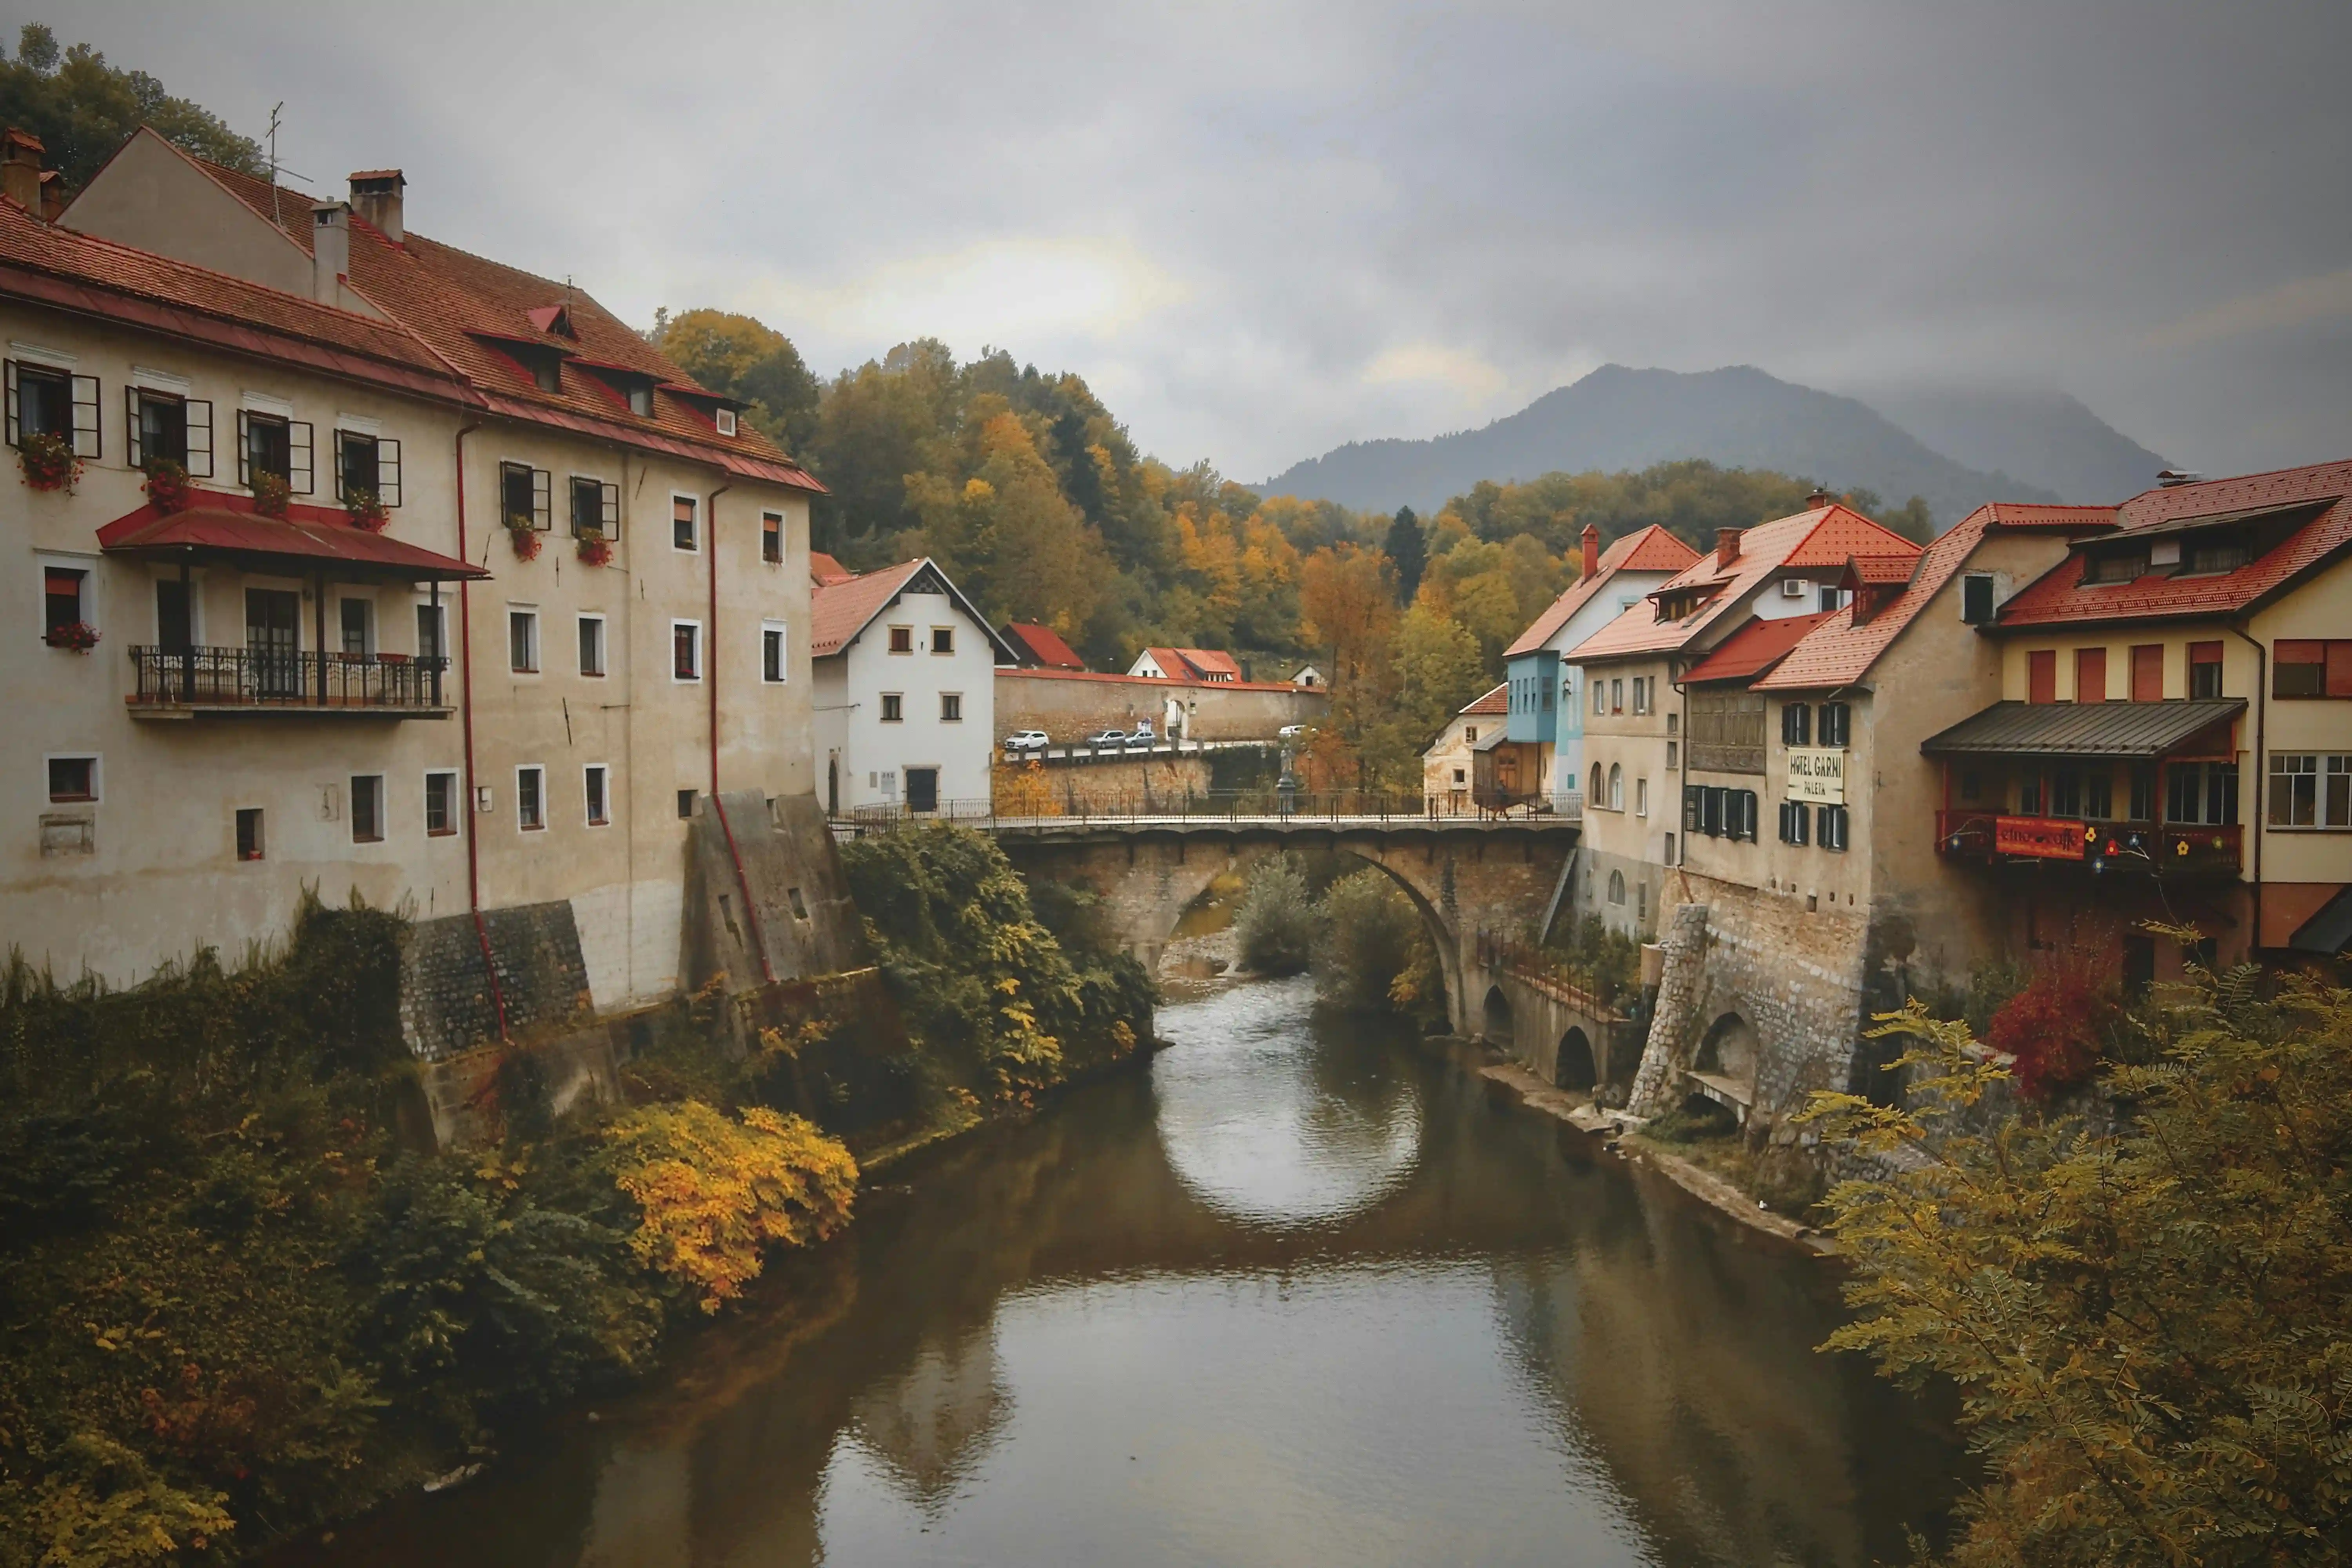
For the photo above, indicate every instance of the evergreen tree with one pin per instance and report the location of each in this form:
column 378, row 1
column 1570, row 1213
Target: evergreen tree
column 1408, row 552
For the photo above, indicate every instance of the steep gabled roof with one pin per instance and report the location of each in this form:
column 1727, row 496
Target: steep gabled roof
column 841, row 609
column 1210, row 663
column 2059, row 596
column 1043, row 646
column 1651, row 548
column 1495, row 701
column 1827, row 536
column 1755, row 647
column 824, row 568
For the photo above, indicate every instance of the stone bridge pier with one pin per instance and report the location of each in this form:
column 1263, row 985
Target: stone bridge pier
column 1464, row 876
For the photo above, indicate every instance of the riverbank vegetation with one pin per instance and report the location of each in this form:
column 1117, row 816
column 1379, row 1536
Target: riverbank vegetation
column 1375, row 954
column 1274, row 930
column 2150, row 1324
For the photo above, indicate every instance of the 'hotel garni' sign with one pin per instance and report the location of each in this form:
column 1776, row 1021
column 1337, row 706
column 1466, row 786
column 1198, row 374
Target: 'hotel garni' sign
column 1817, row 773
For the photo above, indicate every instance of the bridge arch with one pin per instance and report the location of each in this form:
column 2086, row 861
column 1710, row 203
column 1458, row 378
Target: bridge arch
column 1573, row 1066
column 1495, row 1021
column 1729, row 1051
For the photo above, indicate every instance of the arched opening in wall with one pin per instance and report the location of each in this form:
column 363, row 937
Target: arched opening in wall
column 1616, row 791
column 1574, row 1068
column 1616, row 886
column 1729, row 1052
column 1495, row 1017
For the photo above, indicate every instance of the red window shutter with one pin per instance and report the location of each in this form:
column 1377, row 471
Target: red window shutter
column 2290, row 650
column 2339, row 669
column 2090, row 675
column 2148, row 672
column 2041, row 676
column 2204, row 653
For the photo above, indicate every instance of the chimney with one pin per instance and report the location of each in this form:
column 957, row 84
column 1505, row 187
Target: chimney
column 1818, row 500
column 2166, row 478
column 1591, row 549
column 20, row 168
column 376, row 196
column 1726, row 546
column 53, row 196
column 330, row 249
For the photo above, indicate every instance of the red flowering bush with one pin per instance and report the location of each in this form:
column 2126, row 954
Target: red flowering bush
column 48, row 461
column 525, row 541
column 271, row 495
column 167, row 485
column 595, row 550
column 78, row 636
column 2054, row 1028
column 366, row 509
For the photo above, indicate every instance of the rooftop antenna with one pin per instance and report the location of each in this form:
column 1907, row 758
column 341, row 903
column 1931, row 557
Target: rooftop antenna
column 277, row 215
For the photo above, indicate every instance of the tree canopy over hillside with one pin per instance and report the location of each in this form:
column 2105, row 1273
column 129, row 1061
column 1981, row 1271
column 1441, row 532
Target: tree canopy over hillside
column 83, row 108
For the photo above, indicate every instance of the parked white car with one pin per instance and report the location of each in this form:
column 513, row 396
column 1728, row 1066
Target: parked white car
column 1291, row 732
column 1027, row 740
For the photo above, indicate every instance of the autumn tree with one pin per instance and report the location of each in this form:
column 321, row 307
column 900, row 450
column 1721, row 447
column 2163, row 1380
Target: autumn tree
column 2149, row 1323
column 82, row 108
column 743, row 358
column 1347, row 599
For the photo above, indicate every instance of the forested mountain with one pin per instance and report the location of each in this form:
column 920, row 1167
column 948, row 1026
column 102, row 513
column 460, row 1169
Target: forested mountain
column 2040, row 436
column 1618, row 418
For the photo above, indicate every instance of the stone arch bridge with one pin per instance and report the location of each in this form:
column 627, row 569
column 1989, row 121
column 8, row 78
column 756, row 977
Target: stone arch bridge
column 1466, row 875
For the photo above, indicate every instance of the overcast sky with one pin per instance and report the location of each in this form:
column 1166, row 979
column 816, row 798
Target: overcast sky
column 1260, row 231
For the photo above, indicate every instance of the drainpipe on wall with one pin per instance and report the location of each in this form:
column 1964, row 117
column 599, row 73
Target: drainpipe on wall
column 711, row 679
column 466, row 696
column 2262, row 723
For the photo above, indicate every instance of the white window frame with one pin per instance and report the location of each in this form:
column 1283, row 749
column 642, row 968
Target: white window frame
column 541, row 769
column 783, row 674
column 696, row 502
column 724, row 418
column 1642, row 797
column 783, row 538
column 2324, row 765
column 97, row 776
column 457, row 804
column 603, row 643
column 538, row 645
column 68, row 561
column 592, row 820
column 367, row 622
column 383, row 809
column 701, row 653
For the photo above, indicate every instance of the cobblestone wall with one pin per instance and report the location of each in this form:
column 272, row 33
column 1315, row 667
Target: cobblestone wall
column 448, row 1004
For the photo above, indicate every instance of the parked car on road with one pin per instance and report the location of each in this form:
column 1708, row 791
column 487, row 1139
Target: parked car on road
column 1108, row 738
column 1291, row 732
column 1027, row 740
column 1142, row 734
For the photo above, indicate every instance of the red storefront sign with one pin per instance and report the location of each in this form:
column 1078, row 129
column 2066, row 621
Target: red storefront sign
column 2041, row 837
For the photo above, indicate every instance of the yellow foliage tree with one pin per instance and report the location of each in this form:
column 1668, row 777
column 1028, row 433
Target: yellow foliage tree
column 1022, row 789
column 713, row 1194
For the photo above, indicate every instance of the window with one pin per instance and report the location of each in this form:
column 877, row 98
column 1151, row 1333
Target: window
column 357, row 618
column 684, row 522
column 1616, row 886
column 2090, row 674
column 1597, row 796
column 1545, row 692
column 1796, row 820
column 685, row 650
column 2126, row 567
column 1832, row 598
column 248, row 833
column 1750, row 816
column 40, row 402
column 1674, row 755
column 524, row 496
column 2205, row 670
column 2143, row 793
column 1616, row 787
column 774, row 660
column 1616, row 697
column 1796, row 724
column 1469, row 734
column 1976, row 598
column 1833, row 823
column 2203, row 792
column 1600, row 696
column 522, row 641
column 592, row 644
column 367, row 808
column 1694, row 809
column 1458, row 778
column 440, row 804
column 943, row 639
column 73, row 778
column 2099, row 795
column 275, row 445
column 894, row 707
column 1727, row 732
column 641, row 401
column 595, row 507
column 2307, row 790
column 2148, row 672
column 685, row 804
column 530, row 798
column 1670, row 849
column 1972, row 785
column 2042, row 675
column 771, row 537
column 2028, row 795
column 176, row 627
column 367, row 466
column 724, row 419
column 950, row 706
column 2066, row 792
column 1641, row 797
column 2309, row 667
column 167, row 428
column 902, row 639
column 432, row 632
column 1837, row 724
column 593, row 779
column 2215, row 556
column 64, row 598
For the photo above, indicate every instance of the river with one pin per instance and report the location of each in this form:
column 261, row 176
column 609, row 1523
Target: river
column 1305, row 1293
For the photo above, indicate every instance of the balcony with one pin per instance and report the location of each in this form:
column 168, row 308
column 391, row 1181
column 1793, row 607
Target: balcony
column 194, row 682
column 2170, row 849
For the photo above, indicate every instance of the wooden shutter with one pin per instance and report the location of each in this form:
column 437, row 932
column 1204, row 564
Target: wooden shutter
column 300, row 475
column 2339, row 669
column 85, row 417
column 542, row 500
column 244, row 452
column 2148, row 672
column 2041, row 676
column 8, row 370
column 200, row 439
column 387, row 472
column 2090, row 674
column 132, row 451
column 608, row 508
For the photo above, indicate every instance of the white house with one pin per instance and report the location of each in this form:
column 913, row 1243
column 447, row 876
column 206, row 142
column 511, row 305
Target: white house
column 1185, row 664
column 1308, row 678
column 905, row 689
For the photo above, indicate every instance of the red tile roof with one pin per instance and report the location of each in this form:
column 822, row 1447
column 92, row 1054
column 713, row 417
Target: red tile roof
column 452, row 300
column 824, row 568
column 316, row 537
column 2059, row 596
column 1042, row 645
column 1827, row 536
column 1155, row 682
column 1755, row 647
column 1879, row 570
column 1196, row 664
column 840, row 609
column 1651, row 548
column 1495, row 701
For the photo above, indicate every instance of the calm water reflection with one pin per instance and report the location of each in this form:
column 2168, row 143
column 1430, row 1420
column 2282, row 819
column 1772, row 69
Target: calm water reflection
column 1301, row 1296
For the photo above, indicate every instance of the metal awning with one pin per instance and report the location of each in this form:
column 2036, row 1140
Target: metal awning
column 2126, row 729
column 306, row 542
column 2330, row 930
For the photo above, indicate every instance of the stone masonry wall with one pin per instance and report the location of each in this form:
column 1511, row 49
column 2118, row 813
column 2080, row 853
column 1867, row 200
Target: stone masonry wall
column 1070, row 707
column 448, row 1004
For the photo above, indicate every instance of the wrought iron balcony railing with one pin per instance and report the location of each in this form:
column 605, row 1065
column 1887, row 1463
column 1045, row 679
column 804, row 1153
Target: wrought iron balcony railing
column 246, row 679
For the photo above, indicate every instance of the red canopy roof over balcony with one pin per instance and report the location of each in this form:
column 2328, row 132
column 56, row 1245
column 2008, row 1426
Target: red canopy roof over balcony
column 306, row 542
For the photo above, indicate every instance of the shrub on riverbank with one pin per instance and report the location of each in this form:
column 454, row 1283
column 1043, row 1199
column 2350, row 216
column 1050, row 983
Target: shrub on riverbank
column 1002, row 1007
column 1275, row 928
column 235, row 1309
column 1375, row 954
column 2150, row 1328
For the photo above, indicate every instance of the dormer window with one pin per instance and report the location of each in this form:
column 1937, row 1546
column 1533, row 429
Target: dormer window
column 641, row 401
column 2114, row 567
column 554, row 318
column 2214, row 556
column 724, row 418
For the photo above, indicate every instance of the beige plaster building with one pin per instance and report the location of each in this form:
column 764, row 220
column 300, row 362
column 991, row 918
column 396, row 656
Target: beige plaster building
column 533, row 599
column 1449, row 768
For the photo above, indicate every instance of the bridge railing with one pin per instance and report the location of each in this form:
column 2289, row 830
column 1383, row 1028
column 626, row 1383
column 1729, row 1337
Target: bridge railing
column 1044, row 808
column 1602, row 996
